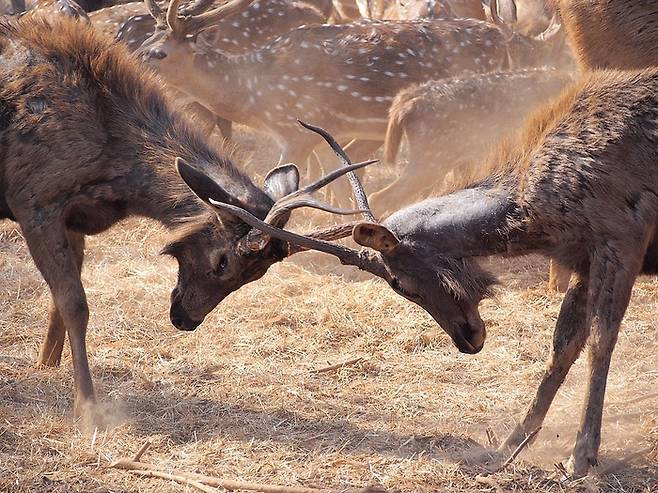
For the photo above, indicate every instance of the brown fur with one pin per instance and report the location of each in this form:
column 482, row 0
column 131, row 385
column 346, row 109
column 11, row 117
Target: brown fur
column 612, row 33
column 86, row 139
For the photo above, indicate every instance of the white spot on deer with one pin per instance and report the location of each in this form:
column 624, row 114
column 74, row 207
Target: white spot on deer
column 389, row 74
column 342, row 87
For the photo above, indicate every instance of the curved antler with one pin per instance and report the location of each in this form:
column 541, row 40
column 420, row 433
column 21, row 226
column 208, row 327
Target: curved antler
column 191, row 24
column 553, row 28
column 499, row 21
column 357, row 187
column 156, row 12
column 364, row 259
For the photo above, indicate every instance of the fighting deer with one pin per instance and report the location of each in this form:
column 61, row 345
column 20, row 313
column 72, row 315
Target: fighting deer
column 342, row 76
column 612, row 33
column 88, row 139
column 580, row 184
column 451, row 123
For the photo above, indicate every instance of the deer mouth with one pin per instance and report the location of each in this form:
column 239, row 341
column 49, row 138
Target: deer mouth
column 181, row 320
column 469, row 335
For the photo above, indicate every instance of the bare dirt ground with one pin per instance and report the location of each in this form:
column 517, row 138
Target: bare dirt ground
column 239, row 397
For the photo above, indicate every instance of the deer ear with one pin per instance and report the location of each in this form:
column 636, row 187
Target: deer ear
column 206, row 189
column 375, row 236
column 281, row 181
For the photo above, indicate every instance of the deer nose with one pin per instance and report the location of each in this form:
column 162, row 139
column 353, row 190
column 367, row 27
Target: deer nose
column 181, row 320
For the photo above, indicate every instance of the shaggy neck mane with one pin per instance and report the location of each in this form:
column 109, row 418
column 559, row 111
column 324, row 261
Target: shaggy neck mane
column 140, row 124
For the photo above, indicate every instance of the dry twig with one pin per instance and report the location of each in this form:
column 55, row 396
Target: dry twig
column 518, row 450
column 209, row 483
column 338, row 366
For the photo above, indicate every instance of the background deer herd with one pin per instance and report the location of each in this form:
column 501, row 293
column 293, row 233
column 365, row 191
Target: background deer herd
column 505, row 129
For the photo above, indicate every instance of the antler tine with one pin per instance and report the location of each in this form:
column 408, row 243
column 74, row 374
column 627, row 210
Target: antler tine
column 553, row 28
column 302, row 197
column 363, row 260
column 196, row 23
column 174, row 21
column 359, row 192
column 331, row 233
column 156, row 12
column 196, row 7
column 493, row 7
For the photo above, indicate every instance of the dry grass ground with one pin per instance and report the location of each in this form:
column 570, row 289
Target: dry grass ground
column 239, row 398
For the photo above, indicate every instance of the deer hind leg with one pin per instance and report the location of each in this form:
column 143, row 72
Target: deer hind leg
column 569, row 338
column 51, row 349
column 610, row 293
column 55, row 258
column 558, row 277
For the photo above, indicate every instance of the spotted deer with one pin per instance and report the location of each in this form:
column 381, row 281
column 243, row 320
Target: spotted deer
column 450, row 124
column 343, row 77
column 88, row 140
column 579, row 184
column 419, row 9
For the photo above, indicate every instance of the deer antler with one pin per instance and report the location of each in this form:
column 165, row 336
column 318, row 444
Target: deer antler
column 357, row 187
column 364, row 259
column 156, row 12
column 499, row 21
column 182, row 26
column 256, row 239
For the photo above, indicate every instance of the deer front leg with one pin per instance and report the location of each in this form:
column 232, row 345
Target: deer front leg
column 51, row 349
column 568, row 340
column 609, row 299
column 55, row 258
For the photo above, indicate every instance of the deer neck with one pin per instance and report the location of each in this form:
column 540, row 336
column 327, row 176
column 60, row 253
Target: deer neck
column 480, row 221
column 226, row 84
column 152, row 186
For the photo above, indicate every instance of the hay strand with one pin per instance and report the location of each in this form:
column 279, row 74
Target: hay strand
column 209, row 483
column 519, row 449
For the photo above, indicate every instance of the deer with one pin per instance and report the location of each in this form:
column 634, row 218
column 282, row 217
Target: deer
column 88, row 140
column 342, row 77
column 450, row 124
column 418, row 9
column 612, row 33
column 259, row 23
column 578, row 184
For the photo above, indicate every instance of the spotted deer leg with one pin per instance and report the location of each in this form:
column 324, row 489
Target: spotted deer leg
column 51, row 349
column 568, row 340
column 55, row 258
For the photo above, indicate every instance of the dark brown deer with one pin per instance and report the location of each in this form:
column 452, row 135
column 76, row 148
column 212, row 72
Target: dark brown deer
column 88, row 139
column 342, row 76
column 450, row 124
column 580, row 185
column 612, row 33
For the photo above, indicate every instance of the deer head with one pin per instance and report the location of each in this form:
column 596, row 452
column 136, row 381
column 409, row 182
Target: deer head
column 447, row 285
column 219, row 253
column 176, row 30
column 527, row 50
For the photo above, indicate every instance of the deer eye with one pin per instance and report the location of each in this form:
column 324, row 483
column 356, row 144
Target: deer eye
column 221, row 266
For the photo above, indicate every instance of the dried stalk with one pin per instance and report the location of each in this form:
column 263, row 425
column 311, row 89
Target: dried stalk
column 338, row 366
column 209, row 483
column 518, row 450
